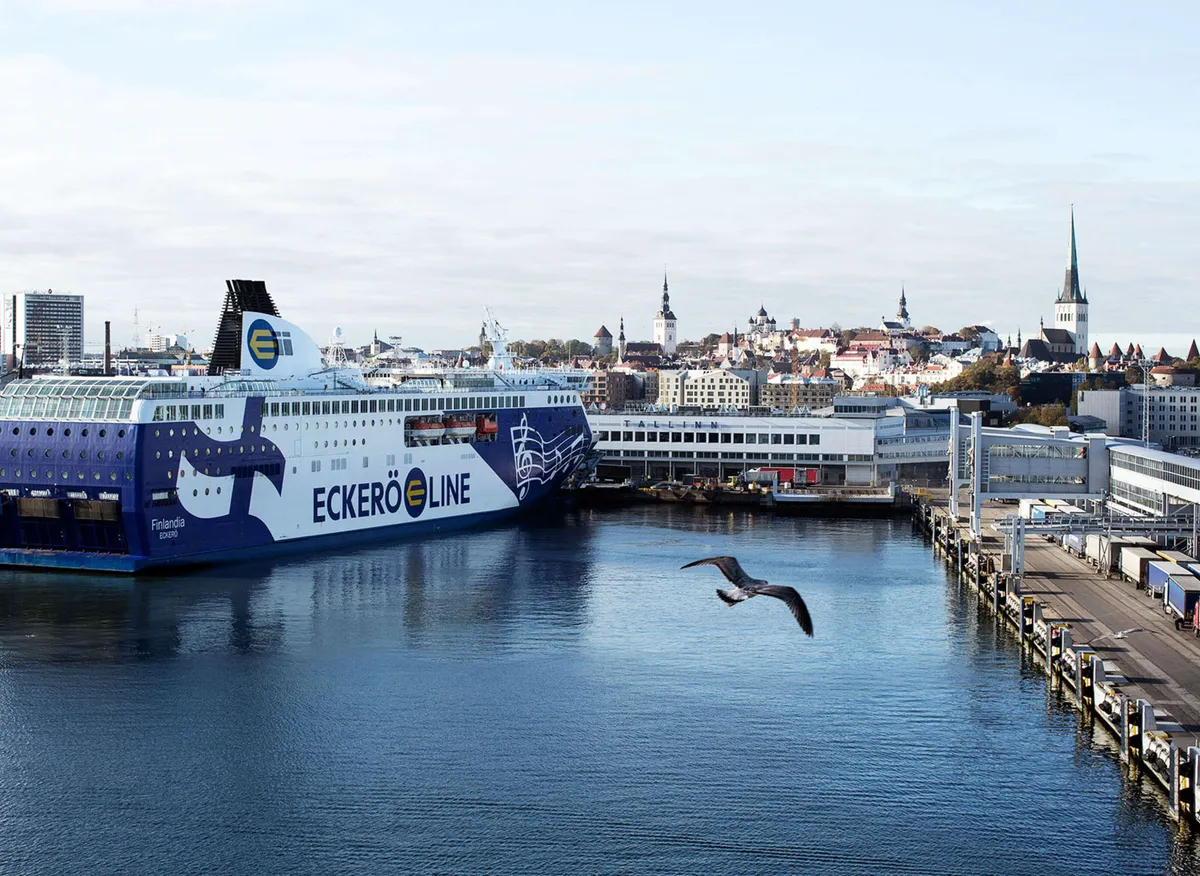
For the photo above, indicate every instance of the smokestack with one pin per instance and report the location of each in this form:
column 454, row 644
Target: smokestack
column 107, row 348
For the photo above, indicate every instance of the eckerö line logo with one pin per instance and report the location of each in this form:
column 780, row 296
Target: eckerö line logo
column 263, row 344
column 415, row 491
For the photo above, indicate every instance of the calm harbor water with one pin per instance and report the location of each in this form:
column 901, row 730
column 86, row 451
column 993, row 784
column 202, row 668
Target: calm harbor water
column 550, row 697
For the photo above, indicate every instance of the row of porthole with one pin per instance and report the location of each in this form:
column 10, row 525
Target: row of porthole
column 274, row 427
column 353, row 443
column 67, row 431
column 66, row 454
column 346, row 424
column 183, row 473
column 197, row 492
column 112, row 475
column 262, row 448
column 196, row 431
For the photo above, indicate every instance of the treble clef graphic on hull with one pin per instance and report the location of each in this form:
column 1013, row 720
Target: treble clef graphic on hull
column 540, row 461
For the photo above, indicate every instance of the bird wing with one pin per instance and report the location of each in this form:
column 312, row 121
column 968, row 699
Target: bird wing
column 790, row 596
column 729, row 567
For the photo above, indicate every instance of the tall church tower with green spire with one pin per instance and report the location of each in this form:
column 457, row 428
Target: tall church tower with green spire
column 1071, row 308
column 664, row 323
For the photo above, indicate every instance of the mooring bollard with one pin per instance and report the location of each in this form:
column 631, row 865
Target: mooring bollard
column 1028, row 612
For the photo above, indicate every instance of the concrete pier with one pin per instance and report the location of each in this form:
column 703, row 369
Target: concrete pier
column 1144, row 687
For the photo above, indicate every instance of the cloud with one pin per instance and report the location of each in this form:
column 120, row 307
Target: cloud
column 402, row 190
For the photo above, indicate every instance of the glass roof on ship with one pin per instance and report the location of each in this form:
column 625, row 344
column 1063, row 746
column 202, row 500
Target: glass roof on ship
column 93, row 387
column 88, row 398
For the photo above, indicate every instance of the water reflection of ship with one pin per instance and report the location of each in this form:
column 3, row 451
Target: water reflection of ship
column 485, row 579
column 51, row 618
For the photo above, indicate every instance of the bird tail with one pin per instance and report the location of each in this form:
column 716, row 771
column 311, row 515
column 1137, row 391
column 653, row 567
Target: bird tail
column 729, row 597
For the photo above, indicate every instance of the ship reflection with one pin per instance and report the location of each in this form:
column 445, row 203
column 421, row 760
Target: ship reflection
column 57, row 618
column 483, row 584
column 478, row 585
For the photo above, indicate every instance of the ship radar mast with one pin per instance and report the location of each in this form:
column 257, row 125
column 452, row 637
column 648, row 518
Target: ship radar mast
column 336, row 356
column 497, row 336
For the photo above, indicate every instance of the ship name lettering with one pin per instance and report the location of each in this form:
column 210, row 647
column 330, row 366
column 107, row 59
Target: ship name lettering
column 376, row 498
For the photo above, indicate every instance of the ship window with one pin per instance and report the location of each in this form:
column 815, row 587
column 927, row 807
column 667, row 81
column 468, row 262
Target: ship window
column 374, row 406
column 366, row 462
column 274, row 409
column 814, row 439
column 220, row 411
column 354, row 407
column 391, row 404
column 158, row 413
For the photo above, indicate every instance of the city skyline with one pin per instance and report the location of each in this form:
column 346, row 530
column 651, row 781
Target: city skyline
column 548, row 160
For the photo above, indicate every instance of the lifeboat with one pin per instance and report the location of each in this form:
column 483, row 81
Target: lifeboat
column 460, row 427
column 486, row 426
column 427, row 430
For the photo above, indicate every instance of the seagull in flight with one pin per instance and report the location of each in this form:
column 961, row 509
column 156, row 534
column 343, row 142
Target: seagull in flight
column 1119, row 634
column 745, row 587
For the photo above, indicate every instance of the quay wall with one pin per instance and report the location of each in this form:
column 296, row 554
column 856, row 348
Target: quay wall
column 1151, row 741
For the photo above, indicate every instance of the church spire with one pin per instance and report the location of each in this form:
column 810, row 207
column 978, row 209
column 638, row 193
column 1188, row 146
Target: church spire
column 1071, row 290
column 902, row 312
column 665, row 311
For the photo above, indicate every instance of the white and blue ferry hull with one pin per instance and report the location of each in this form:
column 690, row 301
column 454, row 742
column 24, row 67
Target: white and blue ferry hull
column 180, row 495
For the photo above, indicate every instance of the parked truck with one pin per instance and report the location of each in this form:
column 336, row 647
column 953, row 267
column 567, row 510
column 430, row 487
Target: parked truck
column 1157, row 574
column 1135, row 561
column 1182, row 595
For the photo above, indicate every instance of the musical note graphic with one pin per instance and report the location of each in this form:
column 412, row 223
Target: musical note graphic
column 539, row 461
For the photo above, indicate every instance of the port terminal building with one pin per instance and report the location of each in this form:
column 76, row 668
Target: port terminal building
column 1116, row 482
column 859, row 441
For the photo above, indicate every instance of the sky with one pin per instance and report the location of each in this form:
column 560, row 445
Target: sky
column 396, row 166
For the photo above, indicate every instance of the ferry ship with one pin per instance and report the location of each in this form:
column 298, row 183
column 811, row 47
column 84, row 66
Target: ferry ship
column 276, row 446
